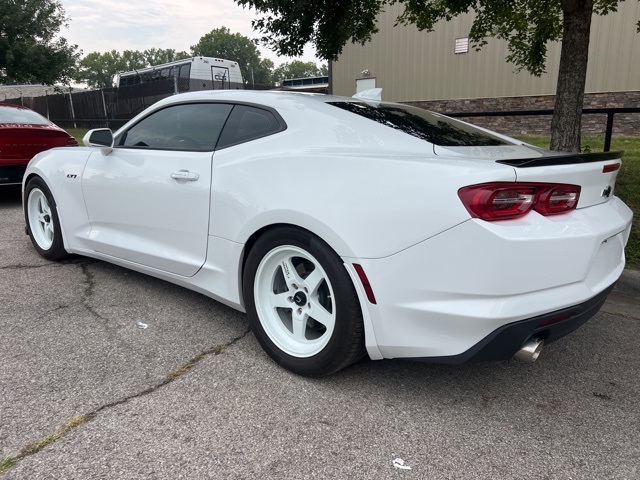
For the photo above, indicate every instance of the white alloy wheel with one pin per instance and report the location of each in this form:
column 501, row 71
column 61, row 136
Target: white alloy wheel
column 301, row 302
column 294, row 301
column 40, row 218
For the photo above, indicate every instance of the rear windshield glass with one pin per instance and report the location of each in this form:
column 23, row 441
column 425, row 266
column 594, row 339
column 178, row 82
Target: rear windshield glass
column 423, row 124
column 18, row 115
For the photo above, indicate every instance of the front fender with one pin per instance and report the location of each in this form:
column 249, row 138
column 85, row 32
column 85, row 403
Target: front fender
column 61, row 169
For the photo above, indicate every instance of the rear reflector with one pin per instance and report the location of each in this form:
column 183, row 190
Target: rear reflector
column 505, row 200
column 365, row 283
column 610, row 168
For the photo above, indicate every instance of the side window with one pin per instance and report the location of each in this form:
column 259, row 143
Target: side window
column 249, row 123
column 185, row 70
column 193, row 126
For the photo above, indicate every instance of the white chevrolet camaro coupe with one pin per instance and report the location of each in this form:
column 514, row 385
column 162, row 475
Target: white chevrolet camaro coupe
column 343, row 226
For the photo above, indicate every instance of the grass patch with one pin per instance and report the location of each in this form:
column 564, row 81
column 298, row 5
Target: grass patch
column 6, row 464
column 628, row 189
column 39, row 444
column 35, row 447
column 77, row 421
column 178, row 372
column 77, row 133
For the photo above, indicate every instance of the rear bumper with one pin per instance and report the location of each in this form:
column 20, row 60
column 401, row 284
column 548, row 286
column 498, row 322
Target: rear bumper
column 453, row 294
column 504, row 342
column 12, row 174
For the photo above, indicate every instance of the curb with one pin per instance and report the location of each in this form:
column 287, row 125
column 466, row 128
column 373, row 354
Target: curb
column 629, row 283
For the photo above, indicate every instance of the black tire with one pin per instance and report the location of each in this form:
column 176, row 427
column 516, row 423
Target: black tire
column 339, row 344
column 42, row 220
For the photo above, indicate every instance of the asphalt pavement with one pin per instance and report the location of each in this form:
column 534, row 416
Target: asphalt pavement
column 109, row 374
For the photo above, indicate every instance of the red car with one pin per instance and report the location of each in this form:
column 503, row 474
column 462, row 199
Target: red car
column 23, row 133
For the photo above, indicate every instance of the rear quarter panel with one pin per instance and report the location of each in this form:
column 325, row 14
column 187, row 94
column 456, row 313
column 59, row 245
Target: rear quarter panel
column 366, row 189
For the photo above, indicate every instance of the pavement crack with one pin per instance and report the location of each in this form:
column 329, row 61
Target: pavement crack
column 22, row 266
column 89, row 280
column 602, row 396
column 36, row 446
column 89, row 285
column 57, row 309
column 89, row 289
column 176, row 373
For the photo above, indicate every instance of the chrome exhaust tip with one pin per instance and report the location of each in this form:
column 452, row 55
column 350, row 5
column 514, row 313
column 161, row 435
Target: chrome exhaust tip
column 530, row 351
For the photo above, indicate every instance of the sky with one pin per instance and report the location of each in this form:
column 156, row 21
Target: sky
column 101, row 26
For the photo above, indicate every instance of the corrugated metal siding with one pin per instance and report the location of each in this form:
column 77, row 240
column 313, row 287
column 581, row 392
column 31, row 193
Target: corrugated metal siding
column 411, row 65
column 614, row 53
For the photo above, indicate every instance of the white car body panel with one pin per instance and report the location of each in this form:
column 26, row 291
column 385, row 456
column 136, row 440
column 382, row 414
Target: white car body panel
column 380, row 198
column 329, row 207
column 592, row 180
column 218, row 278
column 450, row 296
column 139, row 213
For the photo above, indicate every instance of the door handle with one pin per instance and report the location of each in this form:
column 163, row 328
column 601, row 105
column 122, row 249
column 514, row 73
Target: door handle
column 185, row 175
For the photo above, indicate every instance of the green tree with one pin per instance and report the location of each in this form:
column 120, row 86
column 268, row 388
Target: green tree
column 97, row 69
column 30, row 49
column 221, row 43
column 263, row 75
column 527, row 26
column 158, row 56
column 297, row 69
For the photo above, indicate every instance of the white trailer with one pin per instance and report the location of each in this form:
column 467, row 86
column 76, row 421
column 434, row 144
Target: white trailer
column 224, row 74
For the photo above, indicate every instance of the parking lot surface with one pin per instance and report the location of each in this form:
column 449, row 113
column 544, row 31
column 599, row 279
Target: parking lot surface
column 87, row 392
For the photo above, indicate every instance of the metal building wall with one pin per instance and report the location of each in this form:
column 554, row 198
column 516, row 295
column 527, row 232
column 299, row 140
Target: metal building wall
column 410, row 65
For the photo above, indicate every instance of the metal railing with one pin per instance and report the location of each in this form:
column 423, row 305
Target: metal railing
column 609, row 112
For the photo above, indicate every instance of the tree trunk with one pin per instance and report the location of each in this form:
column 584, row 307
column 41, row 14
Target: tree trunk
column 572, row 74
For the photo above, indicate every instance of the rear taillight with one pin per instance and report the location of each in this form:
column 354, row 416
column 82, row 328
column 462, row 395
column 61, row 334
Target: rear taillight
column 557, row 199
column 505, row 200
column 72, row 142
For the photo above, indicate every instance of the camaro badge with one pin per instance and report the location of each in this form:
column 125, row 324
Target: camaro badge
column 607, row 192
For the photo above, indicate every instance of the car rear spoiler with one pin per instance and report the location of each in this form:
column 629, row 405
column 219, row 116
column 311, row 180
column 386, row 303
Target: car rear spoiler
column 562, row 159
column 372, row 94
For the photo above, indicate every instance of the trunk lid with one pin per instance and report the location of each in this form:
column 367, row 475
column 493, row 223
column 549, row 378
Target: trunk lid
column 20, row 142
column 595, row 173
